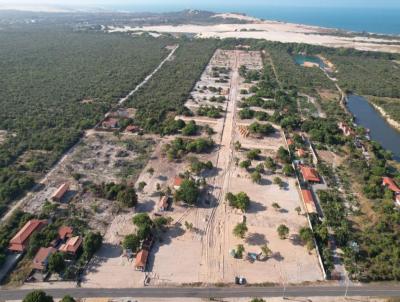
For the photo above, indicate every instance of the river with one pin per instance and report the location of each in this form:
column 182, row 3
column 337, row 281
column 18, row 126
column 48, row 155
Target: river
column 380, row 131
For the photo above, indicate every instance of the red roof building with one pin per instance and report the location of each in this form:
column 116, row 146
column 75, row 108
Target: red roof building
column 289, row 142
column 41, row 259
column 132, row 128
column 71, row 246
column 20, row 241
column 308, row 200
column 347, row 131
column 60, row 192
column 390, row 184
column 177, row 182
column 309, row 174
column 65, row 232
column 110, row 123
column 301, row 153
column 141, row 260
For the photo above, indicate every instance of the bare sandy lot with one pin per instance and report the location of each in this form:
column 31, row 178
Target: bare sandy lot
column 274, row 31
column 3, row 134
column 202, row 254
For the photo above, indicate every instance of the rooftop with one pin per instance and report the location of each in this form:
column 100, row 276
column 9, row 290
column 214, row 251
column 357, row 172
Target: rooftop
column 309, row 174
column 40, row 260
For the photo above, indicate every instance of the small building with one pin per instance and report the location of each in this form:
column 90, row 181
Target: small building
column 310, row 174
column 65, row 232
column 309, row 201
column 347, row 131
column 71, row 246
column 132, row 129
column 41, row 258
column 20, row 241
column 60, row 192
column 301, row 153
column 390, row 184
column 289, row 142
column 163, row 203
column 177, row 182
column 110, row 123
column 141, row 260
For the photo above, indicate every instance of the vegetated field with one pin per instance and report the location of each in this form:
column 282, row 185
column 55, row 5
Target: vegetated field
column 367, row 75
column 168, row 90
column 56, row 83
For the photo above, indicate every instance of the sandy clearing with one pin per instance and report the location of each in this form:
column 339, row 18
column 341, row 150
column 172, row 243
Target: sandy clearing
column 273, row 31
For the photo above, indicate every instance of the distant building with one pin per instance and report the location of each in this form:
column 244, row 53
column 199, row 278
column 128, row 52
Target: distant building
column 347, row 131
column 141, row 260
column 41, row 258
column 132, row 128
column 309, row 201
column 163, row 203
column 60, row 192
column 20, row 241
column 390, row 184
column 289, row 142
column 71, row 246
column 110, row 123
column 309, row 174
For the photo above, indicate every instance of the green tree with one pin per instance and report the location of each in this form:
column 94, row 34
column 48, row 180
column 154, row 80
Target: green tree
column 91, row 243
column 240, row 230
column 128, row 197
column 188, row 192
column 131, row 242
column 253, row 154
column 245, row 164
column 38, row 296
column 256, row 177
column 283, row 231
column 283, row 155
column 270, row 164
column 240, row 201
column 68, row 298
column 56, row 263
column 288, row 170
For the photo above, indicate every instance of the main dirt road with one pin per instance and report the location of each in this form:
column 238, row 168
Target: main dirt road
column 213, row 250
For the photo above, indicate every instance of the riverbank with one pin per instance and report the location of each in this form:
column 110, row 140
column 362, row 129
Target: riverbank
column 395, row 124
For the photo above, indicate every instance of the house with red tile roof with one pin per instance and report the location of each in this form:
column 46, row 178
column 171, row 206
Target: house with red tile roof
column 141, row 260
column 65, row 232
column 309, row 201
column 110, row 123
column 41, row 258
column 309, row 174
column 20, row 241
column 390, row 184
column 71, row 246
column 60, row 192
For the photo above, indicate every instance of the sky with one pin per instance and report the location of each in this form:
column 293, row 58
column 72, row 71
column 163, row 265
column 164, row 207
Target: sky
column 212, row 3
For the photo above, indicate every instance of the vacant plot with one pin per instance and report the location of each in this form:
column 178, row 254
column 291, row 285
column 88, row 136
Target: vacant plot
column 201, row 253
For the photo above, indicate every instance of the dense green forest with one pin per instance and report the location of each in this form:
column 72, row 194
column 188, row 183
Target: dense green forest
column 169, row 89
column 44, row 78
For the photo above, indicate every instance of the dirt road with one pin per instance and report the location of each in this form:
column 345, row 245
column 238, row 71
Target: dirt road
column 214, row 241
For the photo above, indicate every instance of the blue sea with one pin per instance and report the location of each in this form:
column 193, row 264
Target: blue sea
column 374, row 20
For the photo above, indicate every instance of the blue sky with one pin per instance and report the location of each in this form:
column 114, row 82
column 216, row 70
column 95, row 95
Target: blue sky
column 213, row 3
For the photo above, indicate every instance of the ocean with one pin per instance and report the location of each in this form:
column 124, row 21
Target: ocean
column 373, row 20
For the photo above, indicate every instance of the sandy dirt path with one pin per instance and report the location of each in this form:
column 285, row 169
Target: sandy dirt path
column 214, row 240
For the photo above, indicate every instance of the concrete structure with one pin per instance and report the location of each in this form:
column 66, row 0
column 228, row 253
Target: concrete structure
column 60, row 192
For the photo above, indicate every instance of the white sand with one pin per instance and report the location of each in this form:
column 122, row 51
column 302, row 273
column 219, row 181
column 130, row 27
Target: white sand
column 272, row 31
